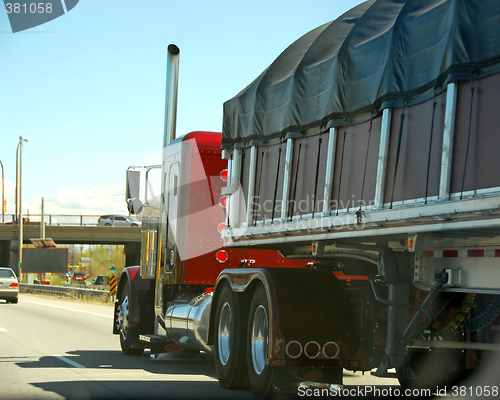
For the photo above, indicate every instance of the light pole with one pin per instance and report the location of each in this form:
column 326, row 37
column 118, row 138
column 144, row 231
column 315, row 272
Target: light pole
column 20, row 148
column 3, row 197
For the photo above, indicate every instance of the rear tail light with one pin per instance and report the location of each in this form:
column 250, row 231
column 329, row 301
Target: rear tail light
column 293, row 349
column 14, row 284
column 312, row 349
column 84, row 278
column 331, row 350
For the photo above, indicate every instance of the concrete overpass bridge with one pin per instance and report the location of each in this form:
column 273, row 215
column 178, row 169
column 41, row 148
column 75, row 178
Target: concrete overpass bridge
column 63, row 229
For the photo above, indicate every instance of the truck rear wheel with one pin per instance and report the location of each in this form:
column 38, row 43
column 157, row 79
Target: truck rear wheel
column 260, row 374
column 127, row 335
column 230, row 362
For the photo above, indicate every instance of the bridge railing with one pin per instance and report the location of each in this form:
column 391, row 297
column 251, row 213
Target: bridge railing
column 53, row 219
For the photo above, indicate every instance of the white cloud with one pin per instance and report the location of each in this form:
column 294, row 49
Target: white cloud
column 71, row 201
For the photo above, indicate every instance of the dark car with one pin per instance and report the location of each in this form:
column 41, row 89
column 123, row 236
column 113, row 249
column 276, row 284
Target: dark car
column 101, row 280
column 117, row 220
column 9, row 285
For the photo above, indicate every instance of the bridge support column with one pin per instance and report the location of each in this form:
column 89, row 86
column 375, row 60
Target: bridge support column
column 132, row 254
column 9, row 254
column 4, row 253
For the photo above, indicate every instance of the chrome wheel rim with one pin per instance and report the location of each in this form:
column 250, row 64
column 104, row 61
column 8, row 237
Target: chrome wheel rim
column 123, row 317
column 224, row 337
column 259, row 339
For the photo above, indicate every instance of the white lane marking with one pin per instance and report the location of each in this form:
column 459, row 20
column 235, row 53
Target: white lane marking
column 3, row 330
column 70, row 362
column 66, row 308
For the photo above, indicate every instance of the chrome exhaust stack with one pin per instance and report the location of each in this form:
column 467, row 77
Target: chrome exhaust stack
column 172, row 81
column 187, row 321
column 172, row 85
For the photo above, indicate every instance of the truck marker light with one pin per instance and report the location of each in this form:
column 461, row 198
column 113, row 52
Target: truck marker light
column 221, row 227
column 223, row 201
column 223, row 175
column 222, row 256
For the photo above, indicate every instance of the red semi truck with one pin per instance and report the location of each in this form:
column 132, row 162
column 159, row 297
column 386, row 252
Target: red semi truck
column 359, row 212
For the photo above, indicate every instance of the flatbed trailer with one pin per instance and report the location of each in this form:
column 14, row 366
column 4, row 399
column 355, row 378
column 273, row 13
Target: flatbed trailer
column 370, row 148
column 357, row 225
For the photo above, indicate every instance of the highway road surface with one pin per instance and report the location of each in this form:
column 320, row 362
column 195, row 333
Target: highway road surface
column 60, row 349
column 55, row 349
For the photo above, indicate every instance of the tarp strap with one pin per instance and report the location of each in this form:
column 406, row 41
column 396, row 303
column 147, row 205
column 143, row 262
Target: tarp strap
column 366, row 161
column 398, row 151
column 260, row 181
column 472, row 89
column 359, row 214
column 292, row 209
column 242, row 166
column 276, row 183
column 341, row 165
column 430, row 147
column 317, row 173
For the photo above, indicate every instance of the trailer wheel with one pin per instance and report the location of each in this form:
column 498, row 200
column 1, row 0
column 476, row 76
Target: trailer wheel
column 260, row 374
column 230, row 362
column 127, row 335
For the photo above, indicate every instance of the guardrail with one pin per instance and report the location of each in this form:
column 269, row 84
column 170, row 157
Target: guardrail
column 53, row 219
column 66, row 291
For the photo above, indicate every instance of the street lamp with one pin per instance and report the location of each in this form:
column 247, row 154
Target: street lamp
column 20, row 149
column 3, row 195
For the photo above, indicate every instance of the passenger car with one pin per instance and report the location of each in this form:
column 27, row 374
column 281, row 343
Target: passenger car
column 78, row 277
column 117, row 220
column 9, row 285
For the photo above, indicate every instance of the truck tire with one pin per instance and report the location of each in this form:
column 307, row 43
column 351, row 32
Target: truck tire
column 230, row 362
column 127, row 334
column 260, row 374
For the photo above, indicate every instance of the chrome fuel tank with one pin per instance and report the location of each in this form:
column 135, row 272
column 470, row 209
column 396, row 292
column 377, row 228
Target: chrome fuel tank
column 187, row 320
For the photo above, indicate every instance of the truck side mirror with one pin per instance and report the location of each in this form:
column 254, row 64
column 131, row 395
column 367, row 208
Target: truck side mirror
column 134, row 205
column 133, row 184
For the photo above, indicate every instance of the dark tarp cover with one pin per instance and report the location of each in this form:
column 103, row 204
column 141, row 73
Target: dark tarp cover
column 383, row 53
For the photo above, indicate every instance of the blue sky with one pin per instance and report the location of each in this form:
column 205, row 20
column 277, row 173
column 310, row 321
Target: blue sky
column 88, row 88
